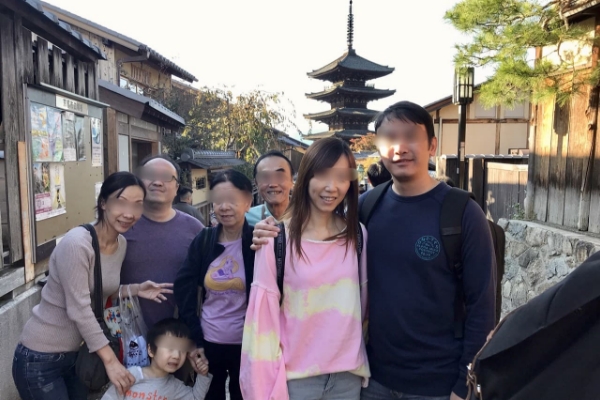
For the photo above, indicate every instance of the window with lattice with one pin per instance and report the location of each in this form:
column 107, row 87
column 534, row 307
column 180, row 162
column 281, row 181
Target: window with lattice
column 201, row 183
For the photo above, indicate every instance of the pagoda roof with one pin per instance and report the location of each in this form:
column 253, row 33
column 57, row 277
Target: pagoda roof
column 363, row 91
column 351, row 62
column 363, row 113
column 346, row 134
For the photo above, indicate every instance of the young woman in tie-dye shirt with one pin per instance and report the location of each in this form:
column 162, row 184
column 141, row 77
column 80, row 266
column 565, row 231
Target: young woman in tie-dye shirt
column 312, row 345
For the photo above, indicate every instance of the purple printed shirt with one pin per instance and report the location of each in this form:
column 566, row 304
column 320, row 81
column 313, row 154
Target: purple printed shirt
column 155, row 251
column 224, row 308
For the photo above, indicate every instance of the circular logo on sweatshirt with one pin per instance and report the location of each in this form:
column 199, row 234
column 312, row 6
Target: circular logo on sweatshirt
column 427, row 248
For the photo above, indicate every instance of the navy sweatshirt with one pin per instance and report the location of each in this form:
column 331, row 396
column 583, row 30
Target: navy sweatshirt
column 411, row 346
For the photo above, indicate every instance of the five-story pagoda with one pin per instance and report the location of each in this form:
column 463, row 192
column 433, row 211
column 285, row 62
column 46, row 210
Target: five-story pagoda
column 349, row 93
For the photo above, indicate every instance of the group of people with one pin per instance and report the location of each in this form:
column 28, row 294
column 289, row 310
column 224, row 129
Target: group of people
column 291, row 299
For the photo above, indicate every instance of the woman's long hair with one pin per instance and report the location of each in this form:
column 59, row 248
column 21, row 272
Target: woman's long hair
column 321, row 155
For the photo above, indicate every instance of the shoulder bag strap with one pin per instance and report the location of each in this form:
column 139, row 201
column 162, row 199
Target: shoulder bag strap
column 97, row 296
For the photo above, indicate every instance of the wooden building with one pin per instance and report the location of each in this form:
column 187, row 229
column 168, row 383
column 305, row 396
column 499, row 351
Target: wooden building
column 198, row 166
column 50, row 137
column 133, row 80
column 490, row 130
column 564, row 167
column 348, row 96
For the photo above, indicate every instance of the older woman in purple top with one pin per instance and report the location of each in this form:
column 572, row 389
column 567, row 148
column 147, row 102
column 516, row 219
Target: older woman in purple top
column 221, row 262
column 44, row 361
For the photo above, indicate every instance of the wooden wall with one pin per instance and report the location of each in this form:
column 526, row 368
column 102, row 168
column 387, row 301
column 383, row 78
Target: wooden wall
column 563, row 145
column 26, row 58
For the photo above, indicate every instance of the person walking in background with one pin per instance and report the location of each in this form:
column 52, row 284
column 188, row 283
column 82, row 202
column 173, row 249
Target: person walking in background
column 44, row 361
column 221, row 263
column 378, row 174
column 303, row 332
column 157, row 245
column 273, row 174
column 183, row 203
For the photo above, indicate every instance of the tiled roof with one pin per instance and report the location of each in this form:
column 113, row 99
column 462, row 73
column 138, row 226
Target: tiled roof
column 292, row 142
column 37, row 5
column 356, row 112
column 342, row 134
column 142, row 99
column 573, row 7
column 211, row 159
column 352, row 61
column 364, row 91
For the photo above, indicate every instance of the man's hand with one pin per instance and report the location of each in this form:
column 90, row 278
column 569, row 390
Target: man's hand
column 262, row 231
column 198, row 361
column 454, row 396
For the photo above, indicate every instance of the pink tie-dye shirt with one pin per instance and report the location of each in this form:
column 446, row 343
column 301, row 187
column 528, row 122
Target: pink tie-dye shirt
column 318, row 328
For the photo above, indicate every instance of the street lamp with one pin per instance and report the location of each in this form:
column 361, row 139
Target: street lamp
column 462, row 96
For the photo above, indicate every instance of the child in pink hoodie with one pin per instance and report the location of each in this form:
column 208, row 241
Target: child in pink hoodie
column 311, row 346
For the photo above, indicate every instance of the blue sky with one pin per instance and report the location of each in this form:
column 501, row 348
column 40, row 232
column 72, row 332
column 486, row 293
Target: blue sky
column 272, row 44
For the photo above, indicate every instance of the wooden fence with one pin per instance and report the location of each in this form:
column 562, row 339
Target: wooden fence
column 498, row 183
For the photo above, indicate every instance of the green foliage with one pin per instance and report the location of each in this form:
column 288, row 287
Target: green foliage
column 504, row 34
column 216, row 119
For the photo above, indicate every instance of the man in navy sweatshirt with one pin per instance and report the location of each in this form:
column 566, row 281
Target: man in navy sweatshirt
column 413, row 352
column 412, row 348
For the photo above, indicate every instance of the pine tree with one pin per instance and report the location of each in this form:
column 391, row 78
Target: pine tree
column 505, row 35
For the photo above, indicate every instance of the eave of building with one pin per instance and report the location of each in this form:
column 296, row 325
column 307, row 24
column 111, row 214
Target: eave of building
column 361, row 113
column 365, row 92
column 122, row 40
column 346, row 134
column 59, row 33
column 144, row 108
column 351, row 62
column 575, row 7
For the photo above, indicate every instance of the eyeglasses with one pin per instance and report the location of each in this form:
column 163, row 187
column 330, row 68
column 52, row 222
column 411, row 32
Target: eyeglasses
column 265, row 177
column 155, row 176
column 337, row 174
column 122, row 205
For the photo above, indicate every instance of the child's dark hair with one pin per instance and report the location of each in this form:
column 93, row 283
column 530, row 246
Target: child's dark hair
column 168, row 326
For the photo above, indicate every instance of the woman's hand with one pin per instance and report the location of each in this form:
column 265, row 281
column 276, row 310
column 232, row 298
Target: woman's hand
column 117, row 373
column 119, row 376
column 262, row 231
column 154, row 291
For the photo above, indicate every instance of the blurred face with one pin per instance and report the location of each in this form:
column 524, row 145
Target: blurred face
column 124, row 211
column 405, row 149
column 230, row 204
column 171, row 352
column 328, row 188
column 274, row 180
column 160, row 178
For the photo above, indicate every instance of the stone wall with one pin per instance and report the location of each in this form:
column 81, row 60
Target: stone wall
column 13, row 316
column 537, row 257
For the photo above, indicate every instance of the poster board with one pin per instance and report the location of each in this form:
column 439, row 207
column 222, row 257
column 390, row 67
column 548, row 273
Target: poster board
column 63, row 178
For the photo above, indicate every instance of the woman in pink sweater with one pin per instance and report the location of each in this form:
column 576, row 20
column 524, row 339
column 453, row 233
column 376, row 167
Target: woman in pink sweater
column 307, row 342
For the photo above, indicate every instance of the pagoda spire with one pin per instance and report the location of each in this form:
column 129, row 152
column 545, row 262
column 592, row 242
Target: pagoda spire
column 350, row 27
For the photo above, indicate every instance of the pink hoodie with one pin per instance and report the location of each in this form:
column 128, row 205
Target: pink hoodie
column 318, row 328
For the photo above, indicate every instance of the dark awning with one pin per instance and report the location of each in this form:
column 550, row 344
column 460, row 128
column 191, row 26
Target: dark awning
column 138, row 106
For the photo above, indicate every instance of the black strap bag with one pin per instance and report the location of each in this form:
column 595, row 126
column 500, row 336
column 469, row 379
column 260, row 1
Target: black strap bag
column 89, row 367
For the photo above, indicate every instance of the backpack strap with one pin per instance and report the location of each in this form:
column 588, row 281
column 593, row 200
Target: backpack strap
column 359, row 249
column 371, row 200
column 279, row 248
column 451, row 216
